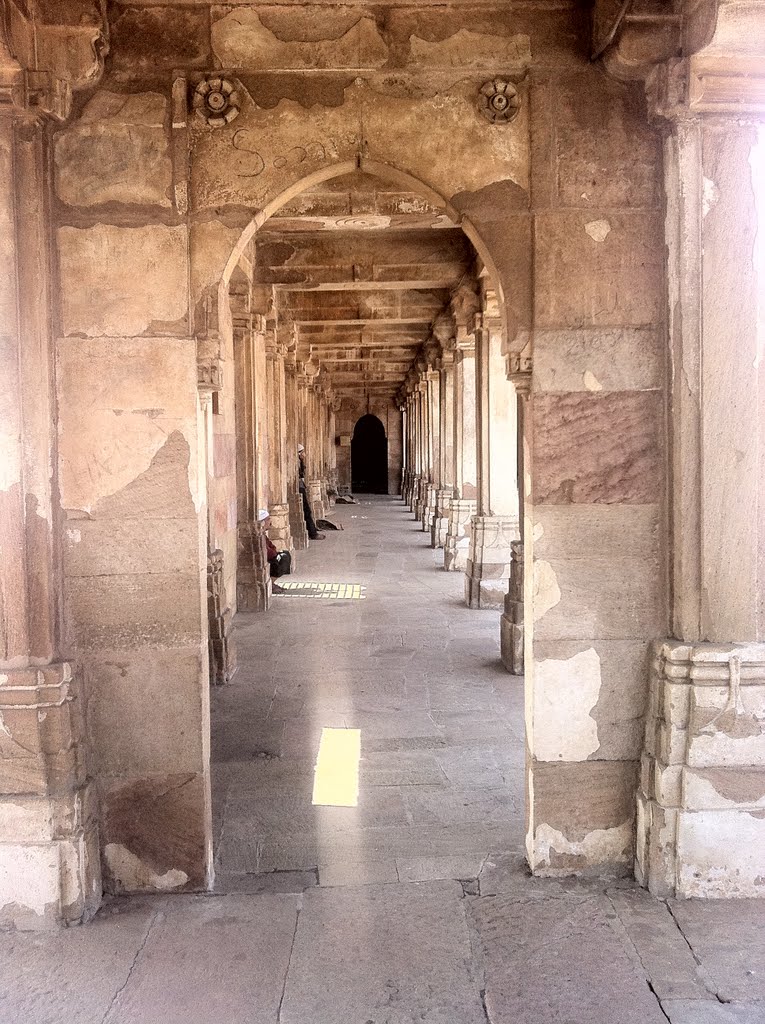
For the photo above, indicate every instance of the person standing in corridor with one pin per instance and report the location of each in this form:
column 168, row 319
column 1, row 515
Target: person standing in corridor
column 310, row 523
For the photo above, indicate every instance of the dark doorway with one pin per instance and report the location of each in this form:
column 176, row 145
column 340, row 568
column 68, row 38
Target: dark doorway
column 369, row 456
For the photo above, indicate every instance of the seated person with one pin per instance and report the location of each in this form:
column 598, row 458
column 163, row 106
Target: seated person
column 280, row 562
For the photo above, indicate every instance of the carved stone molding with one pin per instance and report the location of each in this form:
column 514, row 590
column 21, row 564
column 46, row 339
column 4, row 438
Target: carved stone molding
column 209, row 365
column 498, row 101
column 701, row 801
column 35, row 93
column 216, row 101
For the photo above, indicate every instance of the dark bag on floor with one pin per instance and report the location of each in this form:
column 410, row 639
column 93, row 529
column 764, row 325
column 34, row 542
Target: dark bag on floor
column 325, row 524
column 281, row 565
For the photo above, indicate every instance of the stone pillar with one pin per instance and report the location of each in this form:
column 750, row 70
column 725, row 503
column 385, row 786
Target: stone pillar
column 253, row 582
column 298, row 531
column 446, row 491
column 48, row 828
column 464, row 505
column 423, row 444
column 496, row 525
column 432, row 381
column 277, row 452
column 701, row 801
column 511, row 623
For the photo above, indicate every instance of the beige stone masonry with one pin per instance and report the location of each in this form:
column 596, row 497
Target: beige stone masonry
column 701, row 803
column 457, row 541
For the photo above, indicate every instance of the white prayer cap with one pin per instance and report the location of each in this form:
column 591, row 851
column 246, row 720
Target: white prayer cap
column 301, row 448
column 263, row 514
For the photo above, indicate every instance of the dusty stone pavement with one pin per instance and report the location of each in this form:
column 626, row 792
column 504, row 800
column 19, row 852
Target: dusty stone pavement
column 413, row 907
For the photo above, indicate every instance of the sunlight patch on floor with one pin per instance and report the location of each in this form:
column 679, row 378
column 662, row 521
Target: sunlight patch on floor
column 336, row 778
column 339, row 591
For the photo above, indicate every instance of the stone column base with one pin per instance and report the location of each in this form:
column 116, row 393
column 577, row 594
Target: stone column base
column 487, row 573
column 406, row 483
column 511, row 623
column 49, row 845
column 420, row 491
column 701, row 800
column 428, row 510
column 441, row 518
column 221, row 647
column 313, row 489
column 253, row 579
column 279, row 531
column 457, row 543
column 325, row 506
column 298, row 530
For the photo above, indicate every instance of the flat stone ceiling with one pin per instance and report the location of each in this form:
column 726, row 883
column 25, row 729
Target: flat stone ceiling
column 363, row 271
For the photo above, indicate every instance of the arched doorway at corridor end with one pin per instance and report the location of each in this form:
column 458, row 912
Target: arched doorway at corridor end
column 369, row 456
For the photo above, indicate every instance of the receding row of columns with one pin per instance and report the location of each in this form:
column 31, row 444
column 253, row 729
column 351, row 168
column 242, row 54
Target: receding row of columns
column 461, row 468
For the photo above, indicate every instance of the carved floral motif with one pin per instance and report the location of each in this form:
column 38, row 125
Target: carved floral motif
column 498, row 101
column 216, row 101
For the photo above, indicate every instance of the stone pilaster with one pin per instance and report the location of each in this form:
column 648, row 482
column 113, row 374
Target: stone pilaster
column 511, row 623
column 457, row 542
column 489, row 561
column 221, row 646
column 701, row 801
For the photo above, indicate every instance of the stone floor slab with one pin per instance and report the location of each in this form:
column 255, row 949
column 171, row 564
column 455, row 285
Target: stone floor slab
column 559, row 959
column 728, row 937
column 385, row 954
column 210, row 959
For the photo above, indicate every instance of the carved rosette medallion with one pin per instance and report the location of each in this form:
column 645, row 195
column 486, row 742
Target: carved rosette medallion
column 216, row 101
column 498, row 101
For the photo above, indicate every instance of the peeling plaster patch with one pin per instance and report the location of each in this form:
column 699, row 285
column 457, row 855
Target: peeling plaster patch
column 565, row 692
column 131, row 872
column 598, row 230
column 710, row 197
column 591, row 382
column 701, row 837
column 539, row 531
column 546, row 590
column 481, row 48
column 601, row 846
column 75, row 536
column 757, row 163
column 241, row 39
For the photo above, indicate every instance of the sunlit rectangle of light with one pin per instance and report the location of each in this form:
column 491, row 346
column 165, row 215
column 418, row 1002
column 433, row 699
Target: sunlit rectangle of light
column 336, row 776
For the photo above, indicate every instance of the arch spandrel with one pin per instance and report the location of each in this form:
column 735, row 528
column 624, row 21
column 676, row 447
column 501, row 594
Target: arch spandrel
column 434, row 134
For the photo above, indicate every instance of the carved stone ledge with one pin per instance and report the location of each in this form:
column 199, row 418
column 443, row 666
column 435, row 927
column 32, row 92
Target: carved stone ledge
column 701, row 800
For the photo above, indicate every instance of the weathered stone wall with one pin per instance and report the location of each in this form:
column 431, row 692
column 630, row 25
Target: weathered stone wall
column 151, row 201
column 131, row 470
column 595, row 473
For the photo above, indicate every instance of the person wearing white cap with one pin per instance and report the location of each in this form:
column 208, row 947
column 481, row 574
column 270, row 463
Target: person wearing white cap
column 280, row 562
column 310, row 523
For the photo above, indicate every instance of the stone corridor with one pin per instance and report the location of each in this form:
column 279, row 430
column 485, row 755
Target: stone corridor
column 416, row 906
column 406, row 663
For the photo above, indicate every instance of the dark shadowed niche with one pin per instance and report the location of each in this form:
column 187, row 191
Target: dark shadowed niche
column 369, row 456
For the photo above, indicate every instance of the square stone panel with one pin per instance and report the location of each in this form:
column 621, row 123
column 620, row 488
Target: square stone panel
column 606, row 153
column 599, row 269
column 121, row 282
column 119, row 151
column 603, row 447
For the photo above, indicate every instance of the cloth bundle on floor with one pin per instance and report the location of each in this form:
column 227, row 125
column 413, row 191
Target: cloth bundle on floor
column 324, row 524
